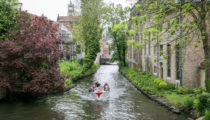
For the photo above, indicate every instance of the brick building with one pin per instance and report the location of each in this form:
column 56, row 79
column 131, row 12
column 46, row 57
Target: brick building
column 182, row 66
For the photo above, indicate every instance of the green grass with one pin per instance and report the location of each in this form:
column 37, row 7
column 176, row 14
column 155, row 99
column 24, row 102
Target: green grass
column 180, row 100
column 73, row 71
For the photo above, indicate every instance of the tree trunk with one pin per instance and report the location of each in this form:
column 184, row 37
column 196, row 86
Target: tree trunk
column 206, row 42
column 207, row 71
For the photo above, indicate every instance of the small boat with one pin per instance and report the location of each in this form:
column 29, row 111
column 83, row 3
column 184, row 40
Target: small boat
column 100, row 95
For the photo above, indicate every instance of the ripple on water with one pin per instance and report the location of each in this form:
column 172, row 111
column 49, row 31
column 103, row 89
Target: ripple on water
column 124, row 103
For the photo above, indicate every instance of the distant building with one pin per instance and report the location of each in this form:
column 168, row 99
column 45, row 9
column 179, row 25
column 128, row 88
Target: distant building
column 67, row 26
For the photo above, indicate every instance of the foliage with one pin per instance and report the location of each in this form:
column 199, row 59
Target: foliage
column 70, row 69
column 68, row 82
column 29, row 58
column 168, row 17
column 91, row 30
column 162, row 85
column 207, row 115
column 73, row 71
column 119, row 33
column 182, row 90
column 180, row 99
column 171, row 86
column 199, row 90
column 158, row 80
column 153, row 85
column 115, row 14
column 202, row 103
column 141, row 79
column 116, row 19
column 7, row 15
column 188, row 102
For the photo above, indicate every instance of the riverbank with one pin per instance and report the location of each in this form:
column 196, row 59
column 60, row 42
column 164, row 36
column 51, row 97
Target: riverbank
column 73, row 72
column 175, row 99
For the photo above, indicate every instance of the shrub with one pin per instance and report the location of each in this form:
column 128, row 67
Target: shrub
column 146, row 89
column 158, row 80
column 73, row 70
column 199, row 90
column 207, row 115
column 163, row 85
column 68, row 82
column 29, row 57
column 70, row 69
column 182, row 90
column 188, row 103
column 202, row 103
column 171, row 86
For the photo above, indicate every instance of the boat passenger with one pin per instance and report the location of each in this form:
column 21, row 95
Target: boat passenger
column 99, row 87
column 106, row 87
column 92, row 88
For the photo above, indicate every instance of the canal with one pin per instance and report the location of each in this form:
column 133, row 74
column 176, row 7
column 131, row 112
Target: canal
column 124, row 103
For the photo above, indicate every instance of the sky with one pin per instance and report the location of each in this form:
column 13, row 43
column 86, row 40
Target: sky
column 51, row 8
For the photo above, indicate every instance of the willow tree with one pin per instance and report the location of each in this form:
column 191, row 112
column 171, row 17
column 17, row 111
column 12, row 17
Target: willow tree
column 156, row 12
column 91, row 30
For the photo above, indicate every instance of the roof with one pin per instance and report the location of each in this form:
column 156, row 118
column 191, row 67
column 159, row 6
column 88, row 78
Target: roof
column 68, row 18
column 68, row 26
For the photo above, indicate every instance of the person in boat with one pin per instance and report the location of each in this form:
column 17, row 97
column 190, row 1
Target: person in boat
column 97, row 83
column 92, row 88
column 95, row 86
column 106, row 87
column 99, row 87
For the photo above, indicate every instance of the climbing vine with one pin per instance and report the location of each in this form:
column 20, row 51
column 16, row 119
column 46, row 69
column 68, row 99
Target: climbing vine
column 180, row 20
column 91, row 30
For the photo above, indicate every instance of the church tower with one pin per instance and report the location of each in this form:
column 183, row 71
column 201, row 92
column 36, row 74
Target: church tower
column 70, row 9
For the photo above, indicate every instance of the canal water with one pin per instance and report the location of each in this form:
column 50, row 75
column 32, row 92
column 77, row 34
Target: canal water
column 124, row 103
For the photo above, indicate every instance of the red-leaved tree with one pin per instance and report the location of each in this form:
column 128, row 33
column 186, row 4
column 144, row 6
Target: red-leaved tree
column 28, row 60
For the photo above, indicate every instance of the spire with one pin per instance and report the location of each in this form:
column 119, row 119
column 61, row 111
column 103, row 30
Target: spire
column 70, row 8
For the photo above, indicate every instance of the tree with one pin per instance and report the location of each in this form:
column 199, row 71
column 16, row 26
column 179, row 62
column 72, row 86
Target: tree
column 7, row 15
column 116, row 19
column 29, row 58
column 119, row 33
column 91, row 30
column 157, row 10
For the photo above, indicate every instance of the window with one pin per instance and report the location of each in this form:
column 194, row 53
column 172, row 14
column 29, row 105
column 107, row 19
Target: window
column 161, row 68
column 155, row 69
column 161, row 50
column 169, row 60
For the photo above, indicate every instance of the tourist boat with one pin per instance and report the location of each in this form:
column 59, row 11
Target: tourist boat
column 100, row 95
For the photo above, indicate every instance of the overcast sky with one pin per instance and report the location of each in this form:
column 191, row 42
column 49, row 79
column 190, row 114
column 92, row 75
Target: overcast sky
column 51, row 8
